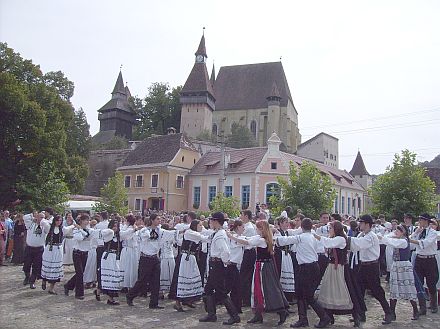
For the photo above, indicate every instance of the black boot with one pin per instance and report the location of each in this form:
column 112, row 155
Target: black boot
column 434, row 302
column 422, row 304
column 415, row 310
column 210, row 307
column 302, row 312
column 356, row 320
column 26, row 279
column 232, row 311
column 258, row 318
column 387, row 318
column 283, row 316
column 393, row 303
column 43, row 284
column 324, row 319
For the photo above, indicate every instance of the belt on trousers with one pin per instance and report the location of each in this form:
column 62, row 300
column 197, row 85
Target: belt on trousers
column 232, row 263
column 80, row 251
column 425, row 256
column 149, row 256
column 370, row 262
column 308, row 264
column 41, row 247
column 68, row 237
column 215, row 259
column 322, row 253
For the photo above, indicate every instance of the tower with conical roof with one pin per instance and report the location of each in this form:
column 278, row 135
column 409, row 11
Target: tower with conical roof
column 197, row 97
column 273, row 110
column 360, row 173
column 116, row 117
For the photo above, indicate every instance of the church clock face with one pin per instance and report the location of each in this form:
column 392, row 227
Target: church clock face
column 199, row 58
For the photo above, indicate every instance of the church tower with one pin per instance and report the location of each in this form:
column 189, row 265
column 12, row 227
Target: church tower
column 360, row 173
column 197, row 97
column 116, row 117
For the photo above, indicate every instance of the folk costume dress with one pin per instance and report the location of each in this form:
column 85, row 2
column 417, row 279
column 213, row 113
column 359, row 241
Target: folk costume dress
column 338, row 293
column 90, row 269
column 167, row 263
column 130, row 258
column 402, row 282
column 52, row 265
column 112, row 273
column 284, row 262
column 187, row 282
column 68, row 244
column 266, row 294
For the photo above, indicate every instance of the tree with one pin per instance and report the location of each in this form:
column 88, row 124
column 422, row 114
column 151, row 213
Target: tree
column 307, row 189
column 116, row 143
column 404, row 187
column 36, row 114
column 207, row 136
column 114, row 196
column 78, row 135
column 227, row 205
column 240, row 137
column 159, row 110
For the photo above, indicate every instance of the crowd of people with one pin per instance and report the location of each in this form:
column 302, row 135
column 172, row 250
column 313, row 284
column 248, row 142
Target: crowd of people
column 249, row 261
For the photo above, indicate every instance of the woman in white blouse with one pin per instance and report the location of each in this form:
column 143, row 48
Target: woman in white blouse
column 338, row 293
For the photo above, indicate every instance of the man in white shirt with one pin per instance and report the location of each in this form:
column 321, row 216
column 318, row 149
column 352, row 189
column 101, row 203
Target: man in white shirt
column 425, row 239
column 33, row 254
column 367, row 244
column 322, row 230
column 249, row 258
column 149, row 262
column 103, row 224
column 215, row 290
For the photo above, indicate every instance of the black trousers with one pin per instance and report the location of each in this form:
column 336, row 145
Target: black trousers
column 369, row 278
column 149, row 275
column 33, row 258
column 201, row 262
column 383, row 259
column 426, row 268
column 323, row 263
column 99, row 252
column 246, row 274
column 233, row 285
column 215, row 285
column 77, row 281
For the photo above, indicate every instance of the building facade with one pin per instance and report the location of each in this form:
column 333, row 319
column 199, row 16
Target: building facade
column 322, row 148
column 251, row 176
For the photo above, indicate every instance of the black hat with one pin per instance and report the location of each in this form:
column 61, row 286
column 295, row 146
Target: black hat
column 409, row 216
column 219, row 217
column 426, row 216
column 366, row 219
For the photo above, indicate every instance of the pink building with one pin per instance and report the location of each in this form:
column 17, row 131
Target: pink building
column 251, row 174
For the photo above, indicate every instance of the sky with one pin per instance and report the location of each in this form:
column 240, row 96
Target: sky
column 366, row 72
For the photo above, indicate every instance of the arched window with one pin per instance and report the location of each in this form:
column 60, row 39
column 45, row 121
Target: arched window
column 271, row 189
column 214, row 129
column 254, row 128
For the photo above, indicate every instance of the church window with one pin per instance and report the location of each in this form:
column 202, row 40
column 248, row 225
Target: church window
column 254, row 128
column 214, row 129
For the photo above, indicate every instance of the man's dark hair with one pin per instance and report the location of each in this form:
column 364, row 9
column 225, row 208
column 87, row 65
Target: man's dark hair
column 49, row 210
column 247, row 213
column 192, row 215
column 336, row 216
column 306, row 224
column 84, row 217
column 104, row 215
column 153, row 217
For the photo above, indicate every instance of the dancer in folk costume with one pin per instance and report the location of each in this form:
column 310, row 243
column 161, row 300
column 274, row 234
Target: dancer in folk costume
column 52, row 260
column 90, row 269
column 308, row 274
column 249, row 256
column 112, row 273
column 186, row 286
column 130, row 254
column 284, row 260
column 267, row 293
column 435, row 224
column 426, row 267
column 338, row 293
column 167, row 261
column 402, row 282
column 68, row 242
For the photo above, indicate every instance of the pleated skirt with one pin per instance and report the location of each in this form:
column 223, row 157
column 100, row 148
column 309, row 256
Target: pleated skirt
column 90, row 269
column 52, row 264
column 112, row 274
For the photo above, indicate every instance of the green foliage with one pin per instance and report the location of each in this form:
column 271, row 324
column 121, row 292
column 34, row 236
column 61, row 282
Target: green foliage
column 36, row 115
column 307, row 189
column 207, row 136
column 116, row 143
column 228, row 205
column 46, row 189
column 114, row 196
column 158, row 111
column 404, row 187
column 241, row 137
column 78, row 135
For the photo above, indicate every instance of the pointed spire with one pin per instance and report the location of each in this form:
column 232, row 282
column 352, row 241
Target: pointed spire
column 213, row 74
column 119, row 86
column 274, row 93
column 359, row 166
column 202, row 49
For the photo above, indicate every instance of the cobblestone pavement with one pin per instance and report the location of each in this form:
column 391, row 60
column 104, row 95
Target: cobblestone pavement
column 22, row 307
